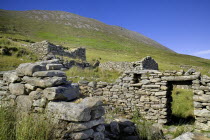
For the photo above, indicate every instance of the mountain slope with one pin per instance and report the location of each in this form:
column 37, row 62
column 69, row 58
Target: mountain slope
column 18, row 18
column 105, row 42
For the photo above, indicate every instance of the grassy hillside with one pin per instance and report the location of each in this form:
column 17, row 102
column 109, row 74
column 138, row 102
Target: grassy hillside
column 110, row 43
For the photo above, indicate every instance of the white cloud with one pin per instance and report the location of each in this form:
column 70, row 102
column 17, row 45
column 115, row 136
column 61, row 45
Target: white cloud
column 202, row 52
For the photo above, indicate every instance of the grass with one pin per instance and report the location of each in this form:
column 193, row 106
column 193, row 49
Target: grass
column 15, row 126
column 100, row 44
column 182, row 105
column 15, row 54
column 145, row 129
column 76, row 74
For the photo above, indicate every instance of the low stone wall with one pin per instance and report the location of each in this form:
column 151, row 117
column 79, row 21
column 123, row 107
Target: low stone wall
column 118, row 66
column 146, row 63
column 44, row 48
column 149, row 92
column 42, row 88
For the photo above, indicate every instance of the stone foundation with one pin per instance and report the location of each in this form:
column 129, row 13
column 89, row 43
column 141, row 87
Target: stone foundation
column 41, row 88
column 149, row 92
column 44, row 48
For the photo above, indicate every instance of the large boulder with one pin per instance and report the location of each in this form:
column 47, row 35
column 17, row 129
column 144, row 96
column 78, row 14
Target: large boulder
column 70, row 111
column 29, row 68
column 45, row 82
column 53, row 61
column 50, row 73
column 17, row 88
column 64, row 92
column 11, row 77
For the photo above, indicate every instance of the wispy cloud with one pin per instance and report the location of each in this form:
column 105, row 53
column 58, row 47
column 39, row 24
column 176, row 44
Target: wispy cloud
column 202, row 52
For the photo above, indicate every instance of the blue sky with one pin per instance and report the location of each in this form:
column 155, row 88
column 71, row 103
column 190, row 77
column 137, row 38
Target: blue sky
column 181, row 25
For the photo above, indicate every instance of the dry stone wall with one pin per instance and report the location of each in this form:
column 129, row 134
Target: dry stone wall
column 147, row 63
column 45, row 48
column 149, row 92
column 42, row 88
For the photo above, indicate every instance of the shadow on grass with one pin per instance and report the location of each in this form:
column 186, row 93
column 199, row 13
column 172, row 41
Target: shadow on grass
column 179, row 120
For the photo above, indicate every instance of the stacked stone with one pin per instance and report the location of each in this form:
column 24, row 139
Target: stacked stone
column 202, row 103
column 147, row 63
column 69, row 64
column 78, row 121
column 118, row 66
column 149, row 92
column 43, row 88
column 142, row 91
column 44, row 48
column 121, row 130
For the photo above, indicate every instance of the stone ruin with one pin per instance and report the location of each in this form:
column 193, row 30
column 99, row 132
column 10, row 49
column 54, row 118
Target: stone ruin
column 144, row 64
column 43, row 88
column 149, row 92
column 45, row 49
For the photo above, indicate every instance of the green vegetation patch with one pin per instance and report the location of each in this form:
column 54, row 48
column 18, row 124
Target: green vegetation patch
column 76, row 74
column 182, row 105
column 15, row 126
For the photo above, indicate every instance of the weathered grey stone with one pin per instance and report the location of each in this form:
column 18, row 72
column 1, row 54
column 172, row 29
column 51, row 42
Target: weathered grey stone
column 54, row 66
column 50, row 73
column 40, row 102
column 35, row 95
column 202, row 113
column 46, row 82
column 114, row 127
column 64, row 92
column 199, row 92
column 97, row 112
column 24, row 103
column 30, row 87
column 82, row 135
column 201, row 88
column 17, row 88
column 151, row 86
column 80, row 126
column 190, row 71
column 155, row 80
column 11, row 77
column 98, row 136
column 144, row 82
column 161, row 93
column 92, row 84
column 100, row 128
column 197, row 104
column 83, row 82
column 202, row 126
column 129, row 130
column 203, row 98
column 53, row 61
column 180, row 78
column 158, row 106
column 74, row 111
column 186, row 136
column 28, row 69
column 136, row 85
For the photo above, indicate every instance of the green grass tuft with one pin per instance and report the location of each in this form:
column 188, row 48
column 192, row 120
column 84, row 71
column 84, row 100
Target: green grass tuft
column 76, row 74
column 182, row 104
column 15, row 126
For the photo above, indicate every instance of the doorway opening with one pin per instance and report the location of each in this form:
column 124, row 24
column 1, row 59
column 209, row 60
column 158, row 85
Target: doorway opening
column 180, row 103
